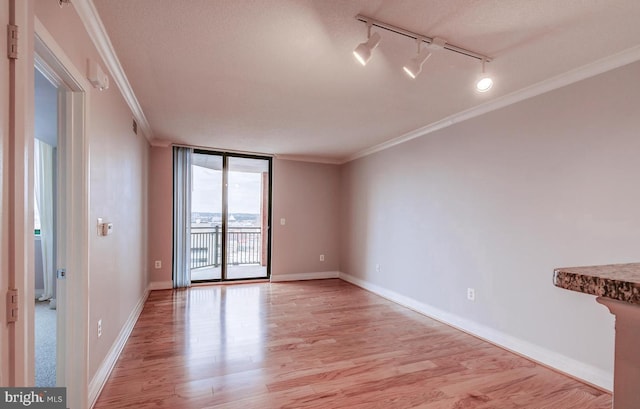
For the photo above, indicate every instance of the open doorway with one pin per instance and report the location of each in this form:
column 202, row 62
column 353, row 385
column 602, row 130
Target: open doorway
column 46, row 114
column 72, row 222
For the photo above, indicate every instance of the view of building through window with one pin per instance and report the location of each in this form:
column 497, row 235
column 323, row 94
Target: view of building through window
column 245, row 234
column 206, row 198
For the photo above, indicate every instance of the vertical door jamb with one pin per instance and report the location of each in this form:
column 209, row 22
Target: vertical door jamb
column 74, row 171
column 4, row 199
column 20, row 196
column 225, row 215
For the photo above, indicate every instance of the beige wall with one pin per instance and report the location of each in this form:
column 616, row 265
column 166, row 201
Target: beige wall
column 496, row 203
column 305, row 194
column 161, row 213
column 118, row 191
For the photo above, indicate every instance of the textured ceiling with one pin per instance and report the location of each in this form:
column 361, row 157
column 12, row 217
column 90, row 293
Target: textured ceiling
column 277, row 76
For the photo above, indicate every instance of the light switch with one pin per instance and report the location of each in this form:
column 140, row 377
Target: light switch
column 283, row 221
column 104, row 228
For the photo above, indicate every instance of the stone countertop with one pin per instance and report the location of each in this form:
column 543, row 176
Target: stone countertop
column 616, row 281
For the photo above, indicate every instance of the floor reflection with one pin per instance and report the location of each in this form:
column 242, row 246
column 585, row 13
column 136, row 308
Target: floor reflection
column 225, row 322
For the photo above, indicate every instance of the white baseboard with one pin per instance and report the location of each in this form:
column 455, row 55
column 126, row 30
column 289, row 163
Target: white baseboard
column 305, row 276
column 562, row 363
column 105, row 368
column 160, row 285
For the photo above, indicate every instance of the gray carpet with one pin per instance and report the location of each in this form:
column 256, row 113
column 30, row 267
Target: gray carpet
column 45, row 336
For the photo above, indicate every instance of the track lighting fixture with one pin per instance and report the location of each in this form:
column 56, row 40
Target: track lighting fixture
column 363, row 50
column 485, row 82
column 414, row 66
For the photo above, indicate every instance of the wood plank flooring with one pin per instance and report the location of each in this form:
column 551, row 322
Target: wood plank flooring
column 319, row 344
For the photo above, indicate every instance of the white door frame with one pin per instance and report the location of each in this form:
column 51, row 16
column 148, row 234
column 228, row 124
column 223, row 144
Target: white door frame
column 74, row 187
column 4, row 202
column 36, row 40
column 20, row 197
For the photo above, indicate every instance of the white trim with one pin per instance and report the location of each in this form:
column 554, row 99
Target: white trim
column 321, row 275
column 54, row 50
column 98, row 34
column 562, row 363
column 160, row 143
column 5, row 238
column 586, row 71
column 18, row 202
column 160, row 285
column 106, row 366
column 313, row 159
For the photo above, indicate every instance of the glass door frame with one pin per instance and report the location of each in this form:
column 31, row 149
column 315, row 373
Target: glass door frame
column 225, row 210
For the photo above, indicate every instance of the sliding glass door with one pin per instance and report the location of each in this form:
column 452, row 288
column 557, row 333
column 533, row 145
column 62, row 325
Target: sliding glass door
column 230, row 216
column 206, row 216
column 247, row 213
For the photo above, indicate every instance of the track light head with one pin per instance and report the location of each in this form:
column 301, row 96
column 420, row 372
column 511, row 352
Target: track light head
column 485, row 82
column 414, row 66
column 362, row 53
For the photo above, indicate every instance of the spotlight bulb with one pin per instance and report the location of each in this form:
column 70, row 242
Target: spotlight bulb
column 484, row 84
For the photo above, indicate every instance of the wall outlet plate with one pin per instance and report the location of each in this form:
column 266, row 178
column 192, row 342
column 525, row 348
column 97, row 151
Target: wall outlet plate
column 471, row 294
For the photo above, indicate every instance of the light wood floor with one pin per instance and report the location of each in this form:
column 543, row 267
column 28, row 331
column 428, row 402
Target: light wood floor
column 319, row 344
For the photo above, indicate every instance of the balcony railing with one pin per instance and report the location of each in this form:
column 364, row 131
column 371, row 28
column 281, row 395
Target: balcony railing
column 243, row 247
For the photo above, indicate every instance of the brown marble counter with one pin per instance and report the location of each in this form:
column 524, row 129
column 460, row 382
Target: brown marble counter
column 616, row 281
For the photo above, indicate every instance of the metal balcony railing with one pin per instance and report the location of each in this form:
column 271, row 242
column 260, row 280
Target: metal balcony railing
column 244, row 246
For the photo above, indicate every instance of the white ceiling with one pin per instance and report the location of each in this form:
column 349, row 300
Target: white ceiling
column 278, row 76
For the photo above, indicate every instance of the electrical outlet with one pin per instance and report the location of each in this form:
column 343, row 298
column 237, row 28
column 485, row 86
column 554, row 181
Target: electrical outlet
column 283, row 221
column 377, row 268
column 321, row 257
column 471, row 294
column 99, row 328
column 158, row 264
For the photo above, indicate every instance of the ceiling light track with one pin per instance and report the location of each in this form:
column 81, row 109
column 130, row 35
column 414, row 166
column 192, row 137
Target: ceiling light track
column 429, row 40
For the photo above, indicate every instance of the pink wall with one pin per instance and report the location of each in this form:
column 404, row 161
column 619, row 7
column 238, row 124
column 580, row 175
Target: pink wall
column 497, row 202
column 118, row 191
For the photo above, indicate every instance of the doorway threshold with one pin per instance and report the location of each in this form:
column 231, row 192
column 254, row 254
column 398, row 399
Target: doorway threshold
column 230, row 282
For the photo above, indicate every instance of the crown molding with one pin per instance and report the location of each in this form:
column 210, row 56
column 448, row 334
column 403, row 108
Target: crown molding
column 586, row 71
column 98, row 34
column 312, row 159
column 160, row 143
